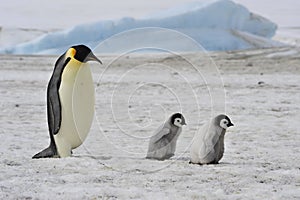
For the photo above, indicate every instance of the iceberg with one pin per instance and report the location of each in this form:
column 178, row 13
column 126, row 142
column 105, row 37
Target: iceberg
column 217, row 25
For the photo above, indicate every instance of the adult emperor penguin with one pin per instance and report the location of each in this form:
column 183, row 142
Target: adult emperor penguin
column 162, row 144
column 208, row 144
column 70, row 102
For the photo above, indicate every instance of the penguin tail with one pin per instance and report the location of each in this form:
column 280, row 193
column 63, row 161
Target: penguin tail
column 46, row 153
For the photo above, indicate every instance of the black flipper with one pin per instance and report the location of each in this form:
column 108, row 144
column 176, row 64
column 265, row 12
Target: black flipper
column 53, row 100
column 54, row 107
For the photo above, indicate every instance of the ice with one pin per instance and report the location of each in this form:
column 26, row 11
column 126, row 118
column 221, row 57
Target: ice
column 213, row 24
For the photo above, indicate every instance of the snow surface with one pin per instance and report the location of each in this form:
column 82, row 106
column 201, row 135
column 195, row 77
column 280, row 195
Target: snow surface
column 262, row 87
column 216, row 25
column 134, row 94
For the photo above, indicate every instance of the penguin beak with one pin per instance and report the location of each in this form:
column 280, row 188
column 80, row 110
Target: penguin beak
column 92, row 57
column 231, row 124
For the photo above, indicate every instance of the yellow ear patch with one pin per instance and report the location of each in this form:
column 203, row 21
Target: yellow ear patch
column 71, row 52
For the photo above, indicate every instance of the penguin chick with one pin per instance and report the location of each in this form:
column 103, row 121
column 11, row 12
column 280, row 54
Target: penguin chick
column 208, row 144
column 162, row 144
column 70, row 102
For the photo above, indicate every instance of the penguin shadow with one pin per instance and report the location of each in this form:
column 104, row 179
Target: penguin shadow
column 172, row 159
column 220, row 164
column 184, row 159
column 181, row 158
column 137, row 159
column 124, row 164
column 96, row 157
column 102, row 157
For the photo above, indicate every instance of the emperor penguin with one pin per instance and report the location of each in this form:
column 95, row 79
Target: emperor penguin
column 162, row 144
column 208, row 144
column 70, row 102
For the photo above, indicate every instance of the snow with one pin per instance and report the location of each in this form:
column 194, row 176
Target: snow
column 259, row 90
column 134, row 94
column 211, row 23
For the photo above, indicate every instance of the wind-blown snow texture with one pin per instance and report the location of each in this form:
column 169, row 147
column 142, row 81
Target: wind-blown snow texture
column 262, row 154
column 216, row 25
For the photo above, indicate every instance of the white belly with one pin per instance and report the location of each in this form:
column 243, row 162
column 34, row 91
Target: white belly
column 77, row 102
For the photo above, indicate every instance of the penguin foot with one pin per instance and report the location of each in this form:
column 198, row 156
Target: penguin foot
column 213, row 162
column 155, row 158
column 195, row 163
column 168, row 156
column 46, row 153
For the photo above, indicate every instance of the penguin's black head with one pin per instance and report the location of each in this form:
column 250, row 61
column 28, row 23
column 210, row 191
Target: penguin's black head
column 223, row 121
column 82, row 53
column 178, row 120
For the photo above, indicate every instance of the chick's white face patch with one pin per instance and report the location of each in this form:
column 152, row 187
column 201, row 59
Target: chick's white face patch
column 177, row 122
column 224, row 123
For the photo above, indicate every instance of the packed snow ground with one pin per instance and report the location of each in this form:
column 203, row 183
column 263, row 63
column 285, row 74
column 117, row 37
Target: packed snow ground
column 261, row 158
column 216, row 25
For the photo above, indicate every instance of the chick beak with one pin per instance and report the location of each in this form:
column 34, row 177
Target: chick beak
column 92, row 57
column 231, row 124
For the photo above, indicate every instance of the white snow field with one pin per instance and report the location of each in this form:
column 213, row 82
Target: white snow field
column 134, row 95
column 216, row 25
